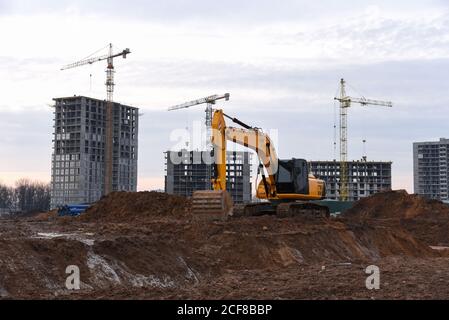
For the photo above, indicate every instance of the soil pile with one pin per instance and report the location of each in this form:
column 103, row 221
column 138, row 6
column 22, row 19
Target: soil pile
column 170, row 258
column 269, row 242
column 427, row 220
column 146, row 245
column 128, row 207
column 53, row 214
column 398, row 204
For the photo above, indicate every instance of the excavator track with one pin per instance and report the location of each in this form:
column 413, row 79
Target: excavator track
column 253, row 209
column 288, row 209
column 211, row 205
column 302, row 209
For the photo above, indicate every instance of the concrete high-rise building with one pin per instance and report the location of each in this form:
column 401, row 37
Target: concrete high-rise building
column 187, row 171
column 430, row 169
column 365, row 177
column 78, row 159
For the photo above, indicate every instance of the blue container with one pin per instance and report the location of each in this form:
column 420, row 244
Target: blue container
column 72, row 210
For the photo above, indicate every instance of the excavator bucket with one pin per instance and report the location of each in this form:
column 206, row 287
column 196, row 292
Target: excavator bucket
column 211, row 205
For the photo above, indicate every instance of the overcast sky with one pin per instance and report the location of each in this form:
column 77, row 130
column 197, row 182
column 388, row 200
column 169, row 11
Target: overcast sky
column 280, row 60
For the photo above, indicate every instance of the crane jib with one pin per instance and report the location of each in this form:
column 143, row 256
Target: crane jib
column 209, row 100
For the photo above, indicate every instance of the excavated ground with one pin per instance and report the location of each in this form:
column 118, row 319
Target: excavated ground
column 146, row 246
column 426, row 220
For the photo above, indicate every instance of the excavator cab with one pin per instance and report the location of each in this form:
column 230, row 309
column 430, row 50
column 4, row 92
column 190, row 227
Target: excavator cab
column 292, row 181
column 292, row 176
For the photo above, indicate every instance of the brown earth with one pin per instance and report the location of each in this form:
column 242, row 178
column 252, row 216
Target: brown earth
column 146, row 246
column 137, row 207
column 427, row 220
column 398, row 204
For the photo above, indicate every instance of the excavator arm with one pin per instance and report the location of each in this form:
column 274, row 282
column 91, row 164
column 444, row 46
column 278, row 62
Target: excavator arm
column 252, row 138
column 307, row 186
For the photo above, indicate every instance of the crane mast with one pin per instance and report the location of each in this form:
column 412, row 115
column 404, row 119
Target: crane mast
column 109, row 130
column 345, row 104
column 110, row 76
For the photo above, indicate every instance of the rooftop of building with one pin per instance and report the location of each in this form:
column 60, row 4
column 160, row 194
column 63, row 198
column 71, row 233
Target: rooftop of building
column 442, row 140
column 75, row 97
column 352, row 161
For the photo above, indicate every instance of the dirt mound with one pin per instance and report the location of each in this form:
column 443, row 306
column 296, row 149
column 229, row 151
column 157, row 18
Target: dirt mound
column 430, row 231
column 427, row 220
column 145, row 245
column 398, row 204
column 53, row 214
column 329, row 244
column 166, row 257
column 137, row 207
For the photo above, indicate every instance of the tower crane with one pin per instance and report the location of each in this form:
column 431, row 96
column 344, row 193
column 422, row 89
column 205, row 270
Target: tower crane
column 109, row 71
column 108, row 188
column 345, row 103
column 210, row 101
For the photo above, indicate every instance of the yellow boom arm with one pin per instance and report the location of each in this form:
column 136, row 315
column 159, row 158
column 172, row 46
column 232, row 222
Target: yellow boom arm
column 251, row 138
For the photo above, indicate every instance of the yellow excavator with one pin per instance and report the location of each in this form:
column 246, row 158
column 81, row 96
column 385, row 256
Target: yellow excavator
column 286, row 187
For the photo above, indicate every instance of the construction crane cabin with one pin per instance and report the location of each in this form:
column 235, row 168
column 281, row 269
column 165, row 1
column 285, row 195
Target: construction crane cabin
column 109, row 105
column 345, row 103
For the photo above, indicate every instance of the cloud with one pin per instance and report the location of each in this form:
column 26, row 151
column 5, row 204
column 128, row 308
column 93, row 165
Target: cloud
column 281, row 62
column 180, row 10
column 25, row 140
column 220, row 12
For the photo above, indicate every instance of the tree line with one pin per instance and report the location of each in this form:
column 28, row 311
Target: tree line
column 25, row 197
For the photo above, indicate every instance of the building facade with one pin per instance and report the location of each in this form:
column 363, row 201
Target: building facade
column 365, row 177
column 78, row 159
column 430, row 170
column 188, row 171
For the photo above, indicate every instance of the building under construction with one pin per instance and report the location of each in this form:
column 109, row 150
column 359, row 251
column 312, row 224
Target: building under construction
column 187, row 171
column 78, row 159
column 430, row 169
column 364, row 177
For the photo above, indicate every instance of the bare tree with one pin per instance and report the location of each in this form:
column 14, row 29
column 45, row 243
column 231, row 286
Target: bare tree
column 6, row 197
column 32, row 196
